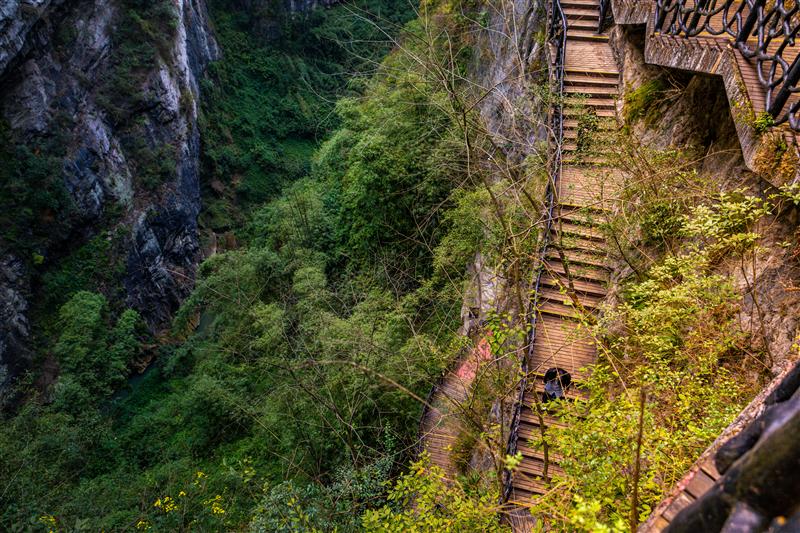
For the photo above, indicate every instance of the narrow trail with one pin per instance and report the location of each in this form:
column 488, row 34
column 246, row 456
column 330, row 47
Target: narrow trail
column 441, row 425
column 575, row 272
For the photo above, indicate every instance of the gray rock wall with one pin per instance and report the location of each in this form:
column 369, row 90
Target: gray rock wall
column 48, row 83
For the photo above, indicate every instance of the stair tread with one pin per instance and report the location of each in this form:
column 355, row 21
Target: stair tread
column 588, row 89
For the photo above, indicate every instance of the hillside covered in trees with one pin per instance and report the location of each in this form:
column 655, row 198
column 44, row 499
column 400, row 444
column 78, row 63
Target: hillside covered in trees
column 282, row 266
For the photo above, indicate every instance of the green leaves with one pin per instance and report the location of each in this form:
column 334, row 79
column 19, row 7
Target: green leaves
column 424, row 502
column 93, row 361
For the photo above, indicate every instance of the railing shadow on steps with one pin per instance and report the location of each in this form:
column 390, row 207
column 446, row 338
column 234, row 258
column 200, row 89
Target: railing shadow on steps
column 761, row 30
column 558, row 38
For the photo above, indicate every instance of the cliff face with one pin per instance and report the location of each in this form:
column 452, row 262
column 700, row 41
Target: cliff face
column 123, row 119
column 510, row 61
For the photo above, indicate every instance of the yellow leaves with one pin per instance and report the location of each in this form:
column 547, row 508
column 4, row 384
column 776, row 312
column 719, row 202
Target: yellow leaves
column 49, row 521
column 166, row 504
column 215, row 504
column 513, row 461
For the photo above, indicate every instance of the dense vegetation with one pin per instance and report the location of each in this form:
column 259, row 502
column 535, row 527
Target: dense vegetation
column 270, row 99
column 287, row 395
column 312, row 341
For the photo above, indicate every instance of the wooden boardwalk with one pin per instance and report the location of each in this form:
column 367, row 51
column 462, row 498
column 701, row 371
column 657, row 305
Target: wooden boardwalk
column 575, row 268
column 441, row 425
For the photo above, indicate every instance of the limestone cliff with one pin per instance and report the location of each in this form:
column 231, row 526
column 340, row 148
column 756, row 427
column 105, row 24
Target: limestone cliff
column 69, row 72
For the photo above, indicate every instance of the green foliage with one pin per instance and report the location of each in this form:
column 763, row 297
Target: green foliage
column 422, row 501
column 92, row 360
column 47, row 446
column 33, row 200
column 726, row 226
column 763, row 122
column 287, row 507
column 640, row 103
column 392, row 165
column 95, row 266
column 270, row 98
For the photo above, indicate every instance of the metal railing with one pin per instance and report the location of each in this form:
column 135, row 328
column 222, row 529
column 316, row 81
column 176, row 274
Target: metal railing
column 558, row 37
column 601, row 20
column 762, row 30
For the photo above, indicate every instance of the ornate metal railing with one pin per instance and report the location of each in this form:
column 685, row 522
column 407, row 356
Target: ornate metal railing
column 762, row 30
column 558, row 37
column 601, row 21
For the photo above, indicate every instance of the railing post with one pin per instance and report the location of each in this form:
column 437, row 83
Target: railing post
column 752, row 18
column 662, row 6
column 792, row 77
column 701, row 4
column 603, row 13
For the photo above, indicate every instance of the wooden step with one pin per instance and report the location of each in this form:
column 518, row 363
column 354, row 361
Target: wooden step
column 578, row 229
column 574, row 350
column 578, row 272
column 589, row 24
column 575, row 111
column 599, row 72
column 576, row 77
column 586, row 215
column 531, row 420
column 582, row 13
column 577, row 364
column 581, row 287
column 597, row 103
column 591, row 35
column 530, row 438
column 602, row 125
column 592, row 90
column 535, row 467
column 526, row 488
column 575, row 242
column 556, row 295
column 559, row 310
column 588, row 4
column 579, row 257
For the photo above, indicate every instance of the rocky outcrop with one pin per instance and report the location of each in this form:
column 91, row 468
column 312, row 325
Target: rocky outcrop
column 55, row 58
column 14, row 327
column 511, row 63
column 760, row 467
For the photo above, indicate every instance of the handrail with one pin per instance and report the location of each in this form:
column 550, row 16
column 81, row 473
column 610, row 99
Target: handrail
column 558, row 36
column 774, row 24
column 601, row 21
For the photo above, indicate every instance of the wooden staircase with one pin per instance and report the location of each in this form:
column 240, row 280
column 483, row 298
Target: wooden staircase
column 574, row 280
column 441, row 421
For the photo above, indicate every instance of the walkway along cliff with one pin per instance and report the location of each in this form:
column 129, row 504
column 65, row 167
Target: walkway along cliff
column 751, row 46
column 572, row 274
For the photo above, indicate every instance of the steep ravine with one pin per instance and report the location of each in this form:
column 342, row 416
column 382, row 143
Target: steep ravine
column 100, row 106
